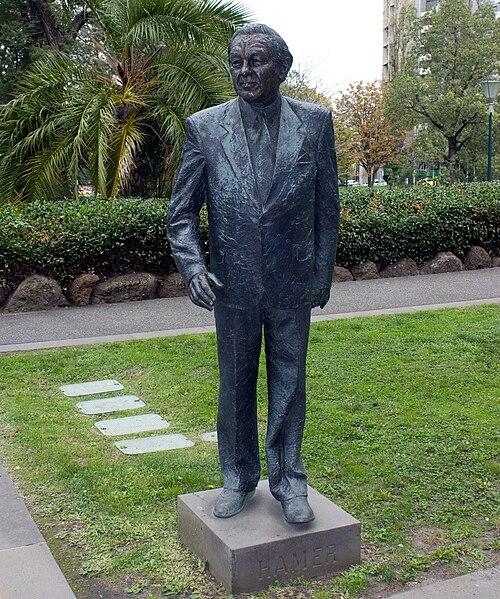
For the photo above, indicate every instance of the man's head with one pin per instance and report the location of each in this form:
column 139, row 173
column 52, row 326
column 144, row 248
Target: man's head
column 259, row 61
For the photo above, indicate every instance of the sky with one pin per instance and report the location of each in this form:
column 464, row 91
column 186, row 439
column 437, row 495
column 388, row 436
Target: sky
column 336, row 41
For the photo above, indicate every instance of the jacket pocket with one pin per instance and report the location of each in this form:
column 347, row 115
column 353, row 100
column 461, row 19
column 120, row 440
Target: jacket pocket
column 303, row 254
column 304, row 158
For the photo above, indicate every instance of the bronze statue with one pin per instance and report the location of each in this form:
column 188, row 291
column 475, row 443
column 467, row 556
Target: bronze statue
column 265, row 166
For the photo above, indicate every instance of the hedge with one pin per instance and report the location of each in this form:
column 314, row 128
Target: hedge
column 65, row 238
column 417, row 222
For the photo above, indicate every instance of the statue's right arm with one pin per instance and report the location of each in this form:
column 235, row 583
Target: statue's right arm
column 188, row 196
column 183, row 229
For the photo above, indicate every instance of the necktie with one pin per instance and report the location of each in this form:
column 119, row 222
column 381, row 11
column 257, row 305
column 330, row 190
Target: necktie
column 263, row 157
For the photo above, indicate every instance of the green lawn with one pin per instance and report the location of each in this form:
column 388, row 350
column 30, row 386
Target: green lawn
column 402, row 432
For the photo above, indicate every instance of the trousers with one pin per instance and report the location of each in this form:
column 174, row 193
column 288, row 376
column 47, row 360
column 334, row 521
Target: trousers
column 239, row 341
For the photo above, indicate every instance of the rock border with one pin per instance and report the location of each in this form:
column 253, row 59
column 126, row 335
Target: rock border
column 42, row 293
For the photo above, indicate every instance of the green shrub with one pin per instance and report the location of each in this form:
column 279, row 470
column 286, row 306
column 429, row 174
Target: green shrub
column 65, row 238
column 386, row 225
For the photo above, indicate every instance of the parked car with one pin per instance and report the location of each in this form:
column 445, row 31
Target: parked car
column 379, row 183
column 85, row 190
column 427, row 181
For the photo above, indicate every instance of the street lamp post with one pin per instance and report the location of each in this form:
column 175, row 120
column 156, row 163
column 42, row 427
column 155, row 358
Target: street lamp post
column 490, row 89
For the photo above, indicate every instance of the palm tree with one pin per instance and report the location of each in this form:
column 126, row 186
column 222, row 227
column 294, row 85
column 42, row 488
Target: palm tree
column 116, row 117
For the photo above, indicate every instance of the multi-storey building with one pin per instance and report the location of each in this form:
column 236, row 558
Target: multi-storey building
column 392, row 10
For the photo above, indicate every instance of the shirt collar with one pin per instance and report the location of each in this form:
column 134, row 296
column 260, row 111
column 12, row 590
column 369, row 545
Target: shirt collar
column 251, row 112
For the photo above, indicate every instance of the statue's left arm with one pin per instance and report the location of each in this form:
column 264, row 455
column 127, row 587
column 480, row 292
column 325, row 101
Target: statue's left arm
column 326, row 215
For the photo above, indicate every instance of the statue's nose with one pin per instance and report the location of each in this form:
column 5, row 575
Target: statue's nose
column 245, row 69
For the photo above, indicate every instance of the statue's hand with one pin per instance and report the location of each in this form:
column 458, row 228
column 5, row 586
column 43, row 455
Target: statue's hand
column 320, row 297
column 201, row 289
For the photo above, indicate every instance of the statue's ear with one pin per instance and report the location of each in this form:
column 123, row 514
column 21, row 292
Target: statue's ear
column 284, row 68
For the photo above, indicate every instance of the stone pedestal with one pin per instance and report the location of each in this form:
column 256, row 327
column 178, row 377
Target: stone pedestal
column 254, row 549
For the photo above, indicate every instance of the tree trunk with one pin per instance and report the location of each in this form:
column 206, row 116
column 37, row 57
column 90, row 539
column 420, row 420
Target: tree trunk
column 371, row 176
column 451, row 160
column 137, row 185
column 50, row 26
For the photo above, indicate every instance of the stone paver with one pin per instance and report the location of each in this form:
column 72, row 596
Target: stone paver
column 91, row 388
column 131, row 425
column 109, row 405
column 153, row 444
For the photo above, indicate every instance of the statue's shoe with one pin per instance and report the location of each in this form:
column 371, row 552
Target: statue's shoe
column 231, row 502
column 297, row 510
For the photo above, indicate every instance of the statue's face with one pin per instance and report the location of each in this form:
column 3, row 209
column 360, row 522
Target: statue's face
column 254, row 73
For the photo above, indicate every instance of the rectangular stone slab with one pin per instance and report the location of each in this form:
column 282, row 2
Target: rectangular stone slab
column 31, row 572
column 252, row 550
column 152, row 444
column 110, row 404
column 79, row 389
column 131, row 425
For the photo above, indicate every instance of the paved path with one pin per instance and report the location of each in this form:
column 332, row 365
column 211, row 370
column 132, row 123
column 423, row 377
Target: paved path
column 166, row 317
column 484, row 584
column 28, row 570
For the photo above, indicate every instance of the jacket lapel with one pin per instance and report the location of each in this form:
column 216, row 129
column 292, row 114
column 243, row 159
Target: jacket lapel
column 290, row 140
column 234, row 143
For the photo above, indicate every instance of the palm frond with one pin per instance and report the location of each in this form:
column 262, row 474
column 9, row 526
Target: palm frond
column 157, row 62
column 124, row 146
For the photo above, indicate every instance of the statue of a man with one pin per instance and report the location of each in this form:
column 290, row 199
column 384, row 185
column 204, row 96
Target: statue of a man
column 265, row 166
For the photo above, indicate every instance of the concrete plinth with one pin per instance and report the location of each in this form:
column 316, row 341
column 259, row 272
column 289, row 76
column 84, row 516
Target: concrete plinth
column 254, row 549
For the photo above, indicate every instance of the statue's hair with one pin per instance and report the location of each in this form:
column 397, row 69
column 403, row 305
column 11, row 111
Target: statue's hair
column 277, row 45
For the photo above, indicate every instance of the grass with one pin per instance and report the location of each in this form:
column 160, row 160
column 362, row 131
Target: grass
column 402, row 432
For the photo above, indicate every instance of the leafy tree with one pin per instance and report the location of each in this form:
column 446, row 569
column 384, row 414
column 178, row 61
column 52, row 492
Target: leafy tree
column 15, row 43
column 373, row 138
column 452, row 51
column 298, row 85
column 117, row 116
column 345, row 149
column 30, row 27
column 474, row 157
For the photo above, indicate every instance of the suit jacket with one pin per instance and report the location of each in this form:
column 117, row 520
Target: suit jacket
column 286, row 247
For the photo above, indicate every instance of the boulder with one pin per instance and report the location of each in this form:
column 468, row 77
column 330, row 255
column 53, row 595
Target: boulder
column 172, row 286
column 364, row 271
column 477, row 257
column 81, row 288
column 341, row 275
column 442, row 262
column 495, row 261
column 36, row 293
column 4, row 291
column 401, row 268
column 131, row 287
